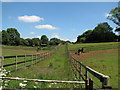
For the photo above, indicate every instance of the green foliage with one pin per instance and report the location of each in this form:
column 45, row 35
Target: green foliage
column 14, row 36
column 102, row 33
column 5, row 38
column 44, row 39
column 35, row 42
column 114, row 15
column 29, row 42
column 55, row 41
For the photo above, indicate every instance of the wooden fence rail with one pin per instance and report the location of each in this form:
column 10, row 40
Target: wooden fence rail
column 78, row 69
column 38, row 80
column 35, row 58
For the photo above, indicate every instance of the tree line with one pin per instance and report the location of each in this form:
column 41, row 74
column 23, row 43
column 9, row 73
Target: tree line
column 12, row 37
column 103, row 32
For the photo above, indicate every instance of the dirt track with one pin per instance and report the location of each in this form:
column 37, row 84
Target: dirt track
column 87, row 55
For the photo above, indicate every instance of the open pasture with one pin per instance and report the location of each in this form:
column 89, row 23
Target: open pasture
column 102, row 57
column 21, row 50
column 58, row 67
column 91, row 47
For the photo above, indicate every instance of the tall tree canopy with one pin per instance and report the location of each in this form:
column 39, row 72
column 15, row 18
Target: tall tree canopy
column 55, row 41
column 5, row 38
column 101, row 33
column 14, row 36
column 36, row 41
column 44, row 39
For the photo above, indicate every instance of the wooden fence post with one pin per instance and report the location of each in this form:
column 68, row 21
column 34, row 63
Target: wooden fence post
column 36, row 59
column 16, row 63
column 87, row 84
column 80, row 72
column 76, row 68
column 39, row 57
column 90, row 84
column 105, row 83
column 44, row 55
column 86, row 73
column 25, row 60
column 32, row 60
column 2, row 64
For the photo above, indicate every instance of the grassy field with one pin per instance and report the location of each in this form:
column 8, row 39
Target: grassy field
column 91, row 47
column 106, row 63
column 56, row 67
column 17, row 50
column 27, row 47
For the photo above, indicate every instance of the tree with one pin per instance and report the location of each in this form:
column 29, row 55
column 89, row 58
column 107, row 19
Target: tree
column 22, row 41
column 44, row 39
column 14, row 36
column 28, row 42
column 114, row 15
column 84, row 37
column 102, row 33
column 35, row 41
column 55, row 41
column 5, row 38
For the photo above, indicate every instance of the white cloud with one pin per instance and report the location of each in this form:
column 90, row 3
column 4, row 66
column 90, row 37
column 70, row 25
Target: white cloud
column 32, row 32
column 32, row 18
column 50, row 27
column 39, row 37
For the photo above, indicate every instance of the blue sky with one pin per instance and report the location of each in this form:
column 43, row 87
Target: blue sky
column 64, row 20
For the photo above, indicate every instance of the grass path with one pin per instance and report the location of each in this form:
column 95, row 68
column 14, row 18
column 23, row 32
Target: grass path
column 56, row 67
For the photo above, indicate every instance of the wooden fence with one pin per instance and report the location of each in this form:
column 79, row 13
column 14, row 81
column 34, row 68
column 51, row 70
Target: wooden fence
column 31, row 59
column 82, row 72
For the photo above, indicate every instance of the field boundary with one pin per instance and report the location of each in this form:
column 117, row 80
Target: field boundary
column 81, row 73
column 35, row 58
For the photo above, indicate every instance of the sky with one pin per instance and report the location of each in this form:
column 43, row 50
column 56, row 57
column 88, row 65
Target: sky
column 63, row 20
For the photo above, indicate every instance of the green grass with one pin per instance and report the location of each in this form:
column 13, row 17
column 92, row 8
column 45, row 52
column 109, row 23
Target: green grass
column 10, row 50
column 19, row 59
column 91, row 47
column 6, row 52
column 56, row 67
column 106, row 63
column 27, row 47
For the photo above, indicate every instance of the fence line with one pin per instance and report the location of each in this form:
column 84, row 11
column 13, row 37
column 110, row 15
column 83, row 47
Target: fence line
column 82, row 70
column 38, row 80
column 35, row 58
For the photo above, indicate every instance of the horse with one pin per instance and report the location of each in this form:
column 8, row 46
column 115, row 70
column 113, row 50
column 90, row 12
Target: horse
column 80, row 50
